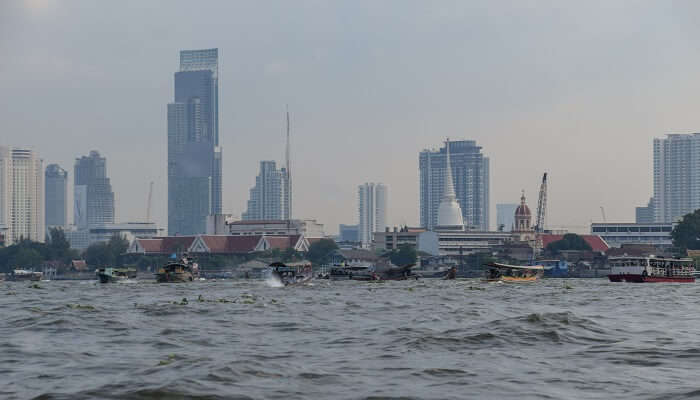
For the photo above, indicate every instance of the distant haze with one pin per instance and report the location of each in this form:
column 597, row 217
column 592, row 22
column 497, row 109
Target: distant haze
column 578, row 89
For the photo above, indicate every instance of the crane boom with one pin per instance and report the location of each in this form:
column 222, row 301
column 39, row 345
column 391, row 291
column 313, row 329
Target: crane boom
column 541, row 205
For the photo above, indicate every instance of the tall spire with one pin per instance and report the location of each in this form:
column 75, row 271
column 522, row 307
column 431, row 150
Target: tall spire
column 449, row 211
column 289, row 172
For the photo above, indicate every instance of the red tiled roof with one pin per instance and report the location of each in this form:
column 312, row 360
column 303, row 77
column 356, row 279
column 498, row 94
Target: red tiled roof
column 282, row 242
column 166, row 244
column 228, row 244
column 595, row 241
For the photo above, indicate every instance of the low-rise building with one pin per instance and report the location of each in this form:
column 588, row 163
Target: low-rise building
column 223, row 224
column 441, row 242
column 617, row 234
column 353, row 257
column 81, row 239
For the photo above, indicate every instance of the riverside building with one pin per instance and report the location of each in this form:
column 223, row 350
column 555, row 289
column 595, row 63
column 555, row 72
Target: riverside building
column 194, row 154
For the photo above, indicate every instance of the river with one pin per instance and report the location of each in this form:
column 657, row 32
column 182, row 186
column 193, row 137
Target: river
column 427, row 339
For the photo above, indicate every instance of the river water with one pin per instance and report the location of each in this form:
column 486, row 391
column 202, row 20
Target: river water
column 428, row 339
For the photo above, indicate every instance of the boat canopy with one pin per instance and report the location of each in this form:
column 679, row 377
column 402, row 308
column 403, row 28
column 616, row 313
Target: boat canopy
column 507, row 266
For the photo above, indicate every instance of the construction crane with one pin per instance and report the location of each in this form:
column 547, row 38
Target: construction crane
column 148, row 206
column 541, row 206
column 602, row 211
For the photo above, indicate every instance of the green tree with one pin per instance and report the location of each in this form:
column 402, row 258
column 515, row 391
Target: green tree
column 26, row 257
column 570, row 241
column 406, row 254
column 319, row 252
column 686, row 235
column 99, row 255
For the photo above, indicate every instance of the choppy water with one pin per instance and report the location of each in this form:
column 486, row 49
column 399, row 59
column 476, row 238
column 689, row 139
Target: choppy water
column 428, row 339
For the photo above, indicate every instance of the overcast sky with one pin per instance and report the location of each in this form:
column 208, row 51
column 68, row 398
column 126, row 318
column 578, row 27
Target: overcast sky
column 578, row 89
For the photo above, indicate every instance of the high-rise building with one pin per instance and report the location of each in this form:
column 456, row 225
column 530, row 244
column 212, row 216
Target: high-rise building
column 676, row 176
column 470, row 173
column 505, row 216
column 645, row 215
column 56, row 191
column 194, row 154
column 372, row 199
column 21, row 195
column 269, row 199
column 93, row 198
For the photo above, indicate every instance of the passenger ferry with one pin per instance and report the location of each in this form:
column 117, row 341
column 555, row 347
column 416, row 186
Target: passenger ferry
column 184, row 271
column 651, row 269
column 292, row 274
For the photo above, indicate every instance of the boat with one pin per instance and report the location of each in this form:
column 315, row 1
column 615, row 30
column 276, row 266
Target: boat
column 498, row 272
column 651, row 269
column 399, row 273
column 183, row 271
column 25, row 275
column 109, row 274
column 292, row 274
column 353, row 273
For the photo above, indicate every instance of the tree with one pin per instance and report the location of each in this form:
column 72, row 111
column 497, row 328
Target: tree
column 686, row 235
column 319, row 252
column 570, row 241
column 26, row 258
column 110, row 253
column 59, row 247
column 406, row 254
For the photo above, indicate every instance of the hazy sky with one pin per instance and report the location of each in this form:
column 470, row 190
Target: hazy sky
column 578, row 89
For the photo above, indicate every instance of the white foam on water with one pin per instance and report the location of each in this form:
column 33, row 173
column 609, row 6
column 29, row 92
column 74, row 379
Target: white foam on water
column 273, row 280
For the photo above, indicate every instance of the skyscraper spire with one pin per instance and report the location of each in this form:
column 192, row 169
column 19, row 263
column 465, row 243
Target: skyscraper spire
column 288, row 189
column 449, row 211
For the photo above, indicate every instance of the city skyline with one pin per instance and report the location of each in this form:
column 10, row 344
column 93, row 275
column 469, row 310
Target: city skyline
column 533, row 120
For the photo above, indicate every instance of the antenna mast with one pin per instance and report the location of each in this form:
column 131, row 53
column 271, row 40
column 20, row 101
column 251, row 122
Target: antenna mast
column 289, row 173
column 148, row 206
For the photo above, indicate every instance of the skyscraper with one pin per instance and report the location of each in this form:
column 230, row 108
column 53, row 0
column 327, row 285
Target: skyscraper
column 194, row 154
column 372, row 202
column 21, row 194
column 269, row 199
column 676, row 176
column 56, row 190
column 645, row 215
column 93, row 198
column 505, row 214
column 470, row 172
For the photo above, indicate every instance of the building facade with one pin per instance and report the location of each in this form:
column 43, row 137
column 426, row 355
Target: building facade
column 194, row 153
column 93, row 198
column 21, row 195
column 56, row 196
column 372, row 201
column 81, row 239
column 645, row 215
column 470, row 172
column 269, row 199
column 618, row 234
column 505, row 216
column 676, row 176
column 348, row 233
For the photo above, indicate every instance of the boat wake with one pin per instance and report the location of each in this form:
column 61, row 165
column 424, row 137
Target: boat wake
column 272, row 280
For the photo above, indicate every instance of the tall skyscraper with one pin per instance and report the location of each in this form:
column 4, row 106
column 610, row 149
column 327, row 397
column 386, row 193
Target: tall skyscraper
column 93, row 198
column 21, row 194
column 505, row 216
column 56, row 191
column 372, row 210
column 194, row 153
column 470, row 172
column 269, row 199
column 676, row 176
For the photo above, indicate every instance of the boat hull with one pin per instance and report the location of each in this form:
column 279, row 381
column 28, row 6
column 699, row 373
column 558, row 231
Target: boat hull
column 637, row 278
column 174, row 277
